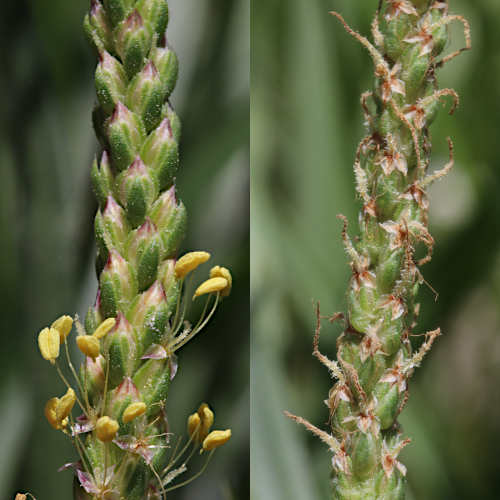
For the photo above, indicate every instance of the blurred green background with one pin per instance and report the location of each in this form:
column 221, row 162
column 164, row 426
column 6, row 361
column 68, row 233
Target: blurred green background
column 46, row 222
column 307, row 75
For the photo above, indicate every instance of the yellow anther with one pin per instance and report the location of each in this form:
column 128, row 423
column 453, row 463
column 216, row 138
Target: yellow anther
column 193, row 424
column 201, row 420
column 48, row 342
column 222, row 272
column 216, row 439
column 189, row 262
column 63, row 325
column 50, row 413
column 65, row 405
column 106, row 429
column 208, row 418
column 104, row 328
column 212, row 285
column 134, row 410
column 89, row 345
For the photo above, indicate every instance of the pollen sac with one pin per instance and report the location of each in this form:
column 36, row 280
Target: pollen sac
column 48, row 342
column 167, row 63
column 106, row 429
column 65, row 405
column 118, row 285
column 146, row 95
column 89, row 345
column 126, row 134
column 222, row 272
column 122, row 345
column 133, row 411
column 216, row 439
column 213, row 285
column 50, row 413
column 104, row 328
column 189, row 262
column 63, row 325
column 133, row 43
column 160, row 153
column 110, row 81
column 156, row 13
column 206, row 415
column 194, row 425
column 138, row 189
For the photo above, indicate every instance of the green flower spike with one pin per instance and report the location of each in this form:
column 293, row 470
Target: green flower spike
column 137, row 321
column 374, row 357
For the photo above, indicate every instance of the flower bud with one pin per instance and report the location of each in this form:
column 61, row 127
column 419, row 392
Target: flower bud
column 160, row 153
column 439, row 35
column 156, row 13
column 102, row 179
column 415, row 69
column 133, row 43
column 153, row 394
column 150, row 315
column 175, row 123
column 97, row 30
column 109, row 82
column 133, row 411
column 146, row 95
column 216, row 439
column 126, row 135
column 117, row 284
column 106, row 429
column 95, row 377
column 122, row 345
column 170, row 284
column 397, row 29
column 213, row 285
column 364, row 453
column 388, row 404
column 63, row 325
column 138, row 189
column 48, row 342
column 111, row 228
column 89, row 345
column 117, row 10
column 145, row 252
column 94, row 317
column 166, row 62
column 189, row 262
